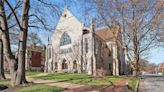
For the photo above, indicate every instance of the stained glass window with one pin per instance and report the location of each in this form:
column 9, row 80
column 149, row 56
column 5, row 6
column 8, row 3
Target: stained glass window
column 65, row 39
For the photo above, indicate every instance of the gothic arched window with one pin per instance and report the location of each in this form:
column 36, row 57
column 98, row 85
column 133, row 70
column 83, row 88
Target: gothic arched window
column 65, row 39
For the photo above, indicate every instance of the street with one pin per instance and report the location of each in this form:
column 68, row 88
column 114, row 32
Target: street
column 152, row 83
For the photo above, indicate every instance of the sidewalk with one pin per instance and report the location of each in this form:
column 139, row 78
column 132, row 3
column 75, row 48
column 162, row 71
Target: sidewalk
column 141, row 86
column 54, row 83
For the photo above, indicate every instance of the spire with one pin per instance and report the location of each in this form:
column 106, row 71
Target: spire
column 91, row 25
column 83, row 25
column 49, row 40
column 65, row 9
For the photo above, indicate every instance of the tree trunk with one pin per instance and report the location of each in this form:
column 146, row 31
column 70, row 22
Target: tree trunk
column 13, row 72
column 21, row 64
column 2, row 75
column 136, row 55
column 17, row 66
column 5, row 40
column 22, row 44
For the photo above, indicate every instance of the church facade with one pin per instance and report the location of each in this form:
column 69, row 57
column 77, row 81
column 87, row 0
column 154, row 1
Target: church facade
column 74, row 48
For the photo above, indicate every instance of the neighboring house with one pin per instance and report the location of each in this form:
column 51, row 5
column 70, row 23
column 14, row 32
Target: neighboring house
column 76, row 48
column 35, row 58
column 161, row 68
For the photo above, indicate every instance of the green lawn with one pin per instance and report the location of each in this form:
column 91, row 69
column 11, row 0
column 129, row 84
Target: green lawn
column 132, row 83
column 32, row 73
column 63, row 76
column 4, row 82
column 81, row 79
column 113, row 79
column 39, row 88
column 3, row 85
column 32, row 88
column 28, row 73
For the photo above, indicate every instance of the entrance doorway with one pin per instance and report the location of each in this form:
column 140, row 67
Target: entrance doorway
column 64, row 64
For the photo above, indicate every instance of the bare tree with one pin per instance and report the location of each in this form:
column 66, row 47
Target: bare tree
column 24, row 20
column 18, row 76
column 139, row 20
column 34, row 39
column 2, row 75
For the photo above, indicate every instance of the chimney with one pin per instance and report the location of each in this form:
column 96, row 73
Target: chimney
column 91, row 25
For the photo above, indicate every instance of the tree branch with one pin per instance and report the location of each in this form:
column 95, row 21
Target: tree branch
column 13, row 13
column 18, row 5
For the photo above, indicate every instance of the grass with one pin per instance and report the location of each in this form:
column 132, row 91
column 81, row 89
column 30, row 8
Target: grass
column 32, row 73
column 63, row 76
column 81, row 79
column 113, row 79
column 28, row 73
column 39, row 88
column 91, row 82
column 4, row 82
column 3, row 85
column 132, row 83
column 31, row 88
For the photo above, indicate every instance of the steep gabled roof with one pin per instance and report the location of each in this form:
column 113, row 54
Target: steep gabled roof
column 108, row 34
column 67, row 19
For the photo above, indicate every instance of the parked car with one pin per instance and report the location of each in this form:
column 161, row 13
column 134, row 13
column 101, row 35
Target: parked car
column 160, row 74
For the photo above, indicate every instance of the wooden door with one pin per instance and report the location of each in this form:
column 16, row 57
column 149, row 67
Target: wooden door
column 36, row 59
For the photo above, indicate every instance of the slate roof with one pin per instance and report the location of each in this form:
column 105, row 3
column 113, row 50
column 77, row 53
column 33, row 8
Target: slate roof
column 108, row 34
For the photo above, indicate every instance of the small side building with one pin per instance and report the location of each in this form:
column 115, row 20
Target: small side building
column 35, row 58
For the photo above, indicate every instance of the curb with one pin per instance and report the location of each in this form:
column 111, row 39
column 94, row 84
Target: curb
column 137, row 86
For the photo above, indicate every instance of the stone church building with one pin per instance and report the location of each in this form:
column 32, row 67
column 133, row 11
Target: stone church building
column 74, row 48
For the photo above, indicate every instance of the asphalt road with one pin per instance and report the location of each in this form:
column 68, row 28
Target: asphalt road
column 153, row 83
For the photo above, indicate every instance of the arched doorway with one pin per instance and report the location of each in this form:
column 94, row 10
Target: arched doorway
column 74, row 66
column 64, row 64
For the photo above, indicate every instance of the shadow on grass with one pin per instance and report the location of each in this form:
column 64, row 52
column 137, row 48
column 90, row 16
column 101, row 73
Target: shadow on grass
column 130, row 87
column 3, row 87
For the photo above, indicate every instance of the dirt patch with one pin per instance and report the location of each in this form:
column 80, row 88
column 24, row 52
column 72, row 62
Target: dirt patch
column 81, row 89
column 98, row 78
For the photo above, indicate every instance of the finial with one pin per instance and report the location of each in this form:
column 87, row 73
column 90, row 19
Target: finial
column 83, row 25
column 48, row 40
column 65, row 8
column 91, row 25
